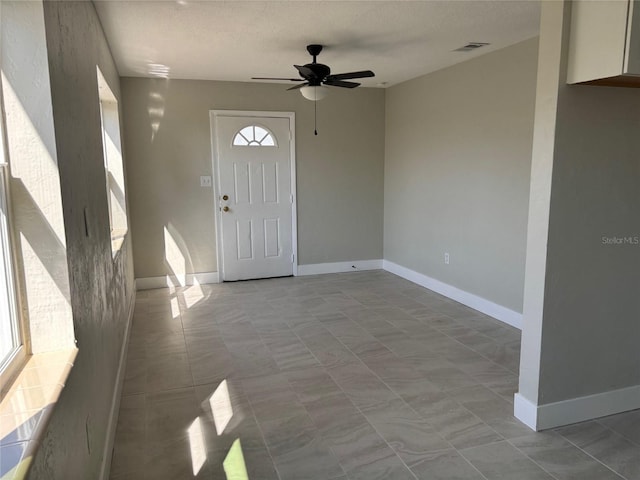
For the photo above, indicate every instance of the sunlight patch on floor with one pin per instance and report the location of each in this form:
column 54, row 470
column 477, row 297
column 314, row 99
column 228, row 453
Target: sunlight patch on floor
column 221, row 407
column 234, row 465
column 197, row 446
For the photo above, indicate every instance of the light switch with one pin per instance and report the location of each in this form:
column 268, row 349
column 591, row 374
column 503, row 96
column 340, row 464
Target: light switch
column 205, row 181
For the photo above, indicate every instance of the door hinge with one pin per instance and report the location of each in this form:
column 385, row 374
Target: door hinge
column 290, row 135
column 291, row 198
column 293, row 258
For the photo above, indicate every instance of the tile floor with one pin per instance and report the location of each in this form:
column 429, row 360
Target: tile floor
column 349, row 376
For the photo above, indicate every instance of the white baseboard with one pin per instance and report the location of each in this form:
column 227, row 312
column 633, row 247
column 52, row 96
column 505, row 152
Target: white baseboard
column 149, row 283
column 105, row 468
column 339, row 267
column 574, row 410
column 525, row 411
column 469, row 299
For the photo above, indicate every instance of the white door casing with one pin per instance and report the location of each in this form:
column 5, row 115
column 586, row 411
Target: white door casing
column 256, row 227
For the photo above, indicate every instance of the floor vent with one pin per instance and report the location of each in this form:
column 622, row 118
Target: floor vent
column 471, row 46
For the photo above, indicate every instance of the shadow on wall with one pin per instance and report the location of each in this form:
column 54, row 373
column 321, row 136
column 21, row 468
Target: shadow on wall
column 34, row 176
column 34, row 182
column 39, row 241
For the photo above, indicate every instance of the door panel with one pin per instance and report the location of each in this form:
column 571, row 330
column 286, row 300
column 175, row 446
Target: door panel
column 242, row 184
column 256, row 219
column 271, row 234
column 244, row 239
column 270, row 183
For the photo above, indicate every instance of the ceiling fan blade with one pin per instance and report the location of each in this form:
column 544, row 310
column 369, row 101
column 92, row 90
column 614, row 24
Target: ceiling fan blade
column 276, row 78
column 340, row 83
column 306, row 72
column 347, row 76
column 296, row 87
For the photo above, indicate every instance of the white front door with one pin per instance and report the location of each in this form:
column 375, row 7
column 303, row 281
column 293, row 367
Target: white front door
column 255, row 198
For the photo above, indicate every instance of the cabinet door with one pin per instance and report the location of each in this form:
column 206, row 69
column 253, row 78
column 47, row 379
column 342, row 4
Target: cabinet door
column 598, row 39
column 632, row 50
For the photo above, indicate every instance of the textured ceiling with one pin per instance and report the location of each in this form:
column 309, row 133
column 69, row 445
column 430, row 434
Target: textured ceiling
column 235, row 40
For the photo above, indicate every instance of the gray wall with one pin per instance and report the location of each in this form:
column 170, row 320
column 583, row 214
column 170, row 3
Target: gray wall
column 581, row 312
column 101, row 287
column 457, row 165
column 168, row 141
column 592, row 301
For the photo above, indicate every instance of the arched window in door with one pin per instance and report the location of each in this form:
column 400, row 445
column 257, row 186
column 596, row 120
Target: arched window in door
column 254, row 136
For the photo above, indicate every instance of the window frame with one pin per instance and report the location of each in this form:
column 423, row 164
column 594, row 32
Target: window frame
column 11, row 364
column 258, row 143
column 108, row 105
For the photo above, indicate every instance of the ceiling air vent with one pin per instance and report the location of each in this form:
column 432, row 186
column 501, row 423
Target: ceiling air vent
column 471, row 46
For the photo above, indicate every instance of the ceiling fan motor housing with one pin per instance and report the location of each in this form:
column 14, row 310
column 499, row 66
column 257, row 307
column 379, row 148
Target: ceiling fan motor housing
column 320, row 72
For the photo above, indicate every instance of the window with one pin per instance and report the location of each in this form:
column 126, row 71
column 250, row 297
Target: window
column 254, row 136
column 10, row 334
column 114, row 169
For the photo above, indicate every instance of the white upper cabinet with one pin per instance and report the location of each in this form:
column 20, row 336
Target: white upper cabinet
column 605, row 42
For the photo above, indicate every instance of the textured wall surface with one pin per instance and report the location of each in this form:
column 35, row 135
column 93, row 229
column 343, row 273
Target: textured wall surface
column 101, row 286
column 36, row 198
column 168, row 141
column 457, row 165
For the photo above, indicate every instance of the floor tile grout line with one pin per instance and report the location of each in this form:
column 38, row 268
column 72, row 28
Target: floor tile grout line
column 184, row 339
column 571, row 443
column 637, row 444
column 409, row 406
column 508, row 441
column 590, row 455
column 471, row 348
column 459, row 452
column 412, row 409
column 264, row 439
column 354, row 405
column 507, row 370
column 343, row 392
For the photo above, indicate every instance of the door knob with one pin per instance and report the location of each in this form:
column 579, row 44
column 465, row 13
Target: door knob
column 225, row 197
column 225, row 209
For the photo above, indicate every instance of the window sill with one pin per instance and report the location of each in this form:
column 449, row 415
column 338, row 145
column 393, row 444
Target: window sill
column 117, row 240
column 26, row 409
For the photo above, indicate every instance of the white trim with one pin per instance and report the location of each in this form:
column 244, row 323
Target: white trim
column 149, row 283
column 339, row 267
column 525, row 411
column 213, row 114
column 574, row 410
column 105, row 468
column 483, row 305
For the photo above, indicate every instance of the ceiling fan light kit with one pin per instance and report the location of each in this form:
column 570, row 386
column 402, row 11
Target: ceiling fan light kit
column 314, row 93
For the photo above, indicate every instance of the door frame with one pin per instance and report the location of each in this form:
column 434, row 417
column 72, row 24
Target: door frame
column 213, row 116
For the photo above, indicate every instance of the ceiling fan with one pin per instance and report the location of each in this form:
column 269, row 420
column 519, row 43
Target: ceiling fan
column 316, row 75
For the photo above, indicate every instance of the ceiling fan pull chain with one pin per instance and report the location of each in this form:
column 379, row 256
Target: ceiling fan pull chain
column 315, row 118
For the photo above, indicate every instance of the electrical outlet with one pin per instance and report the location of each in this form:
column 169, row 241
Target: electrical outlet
column 446, row 258
column 205, row 181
